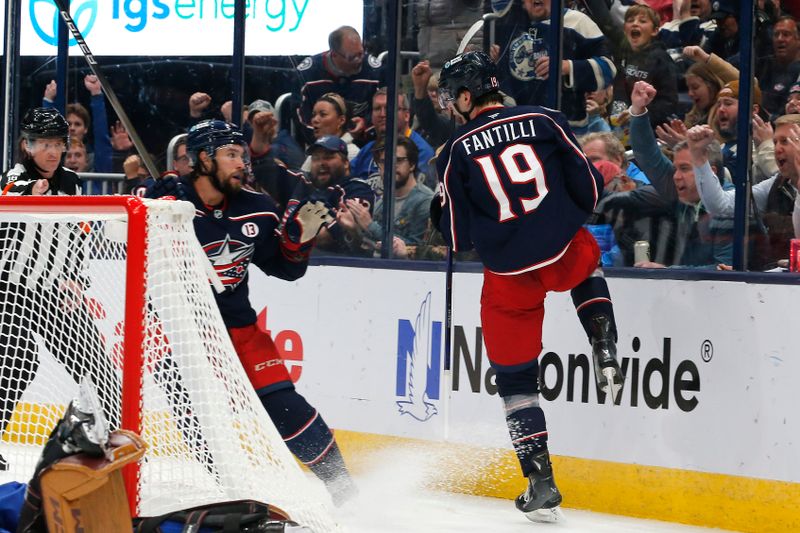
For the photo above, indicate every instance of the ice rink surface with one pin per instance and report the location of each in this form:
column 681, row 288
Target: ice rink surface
column 393, row 499
column 435, row 512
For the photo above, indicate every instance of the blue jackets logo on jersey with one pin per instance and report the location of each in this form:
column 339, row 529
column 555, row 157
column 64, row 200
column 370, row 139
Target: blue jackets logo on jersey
column 44, row 16
column 419, row 357
column 230, row 259
column 524, row 51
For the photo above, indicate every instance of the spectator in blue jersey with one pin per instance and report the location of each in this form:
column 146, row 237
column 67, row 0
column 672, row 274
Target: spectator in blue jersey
column 692, row 25
column 521, row 52
column 778, row 71
column 516, row 187
column 344, row 69
column 363, row 165
column 237, row 228
column 330, row 169
column 724, row 40
column 412, row 201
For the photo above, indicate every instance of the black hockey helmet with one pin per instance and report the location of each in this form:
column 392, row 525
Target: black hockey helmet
column 44, row 123
column 473, row 71
column 209, row 135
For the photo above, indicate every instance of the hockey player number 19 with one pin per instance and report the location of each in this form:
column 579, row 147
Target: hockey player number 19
column 509, row 159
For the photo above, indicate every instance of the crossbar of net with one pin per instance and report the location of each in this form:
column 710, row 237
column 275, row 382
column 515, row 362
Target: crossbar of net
column 62, row 290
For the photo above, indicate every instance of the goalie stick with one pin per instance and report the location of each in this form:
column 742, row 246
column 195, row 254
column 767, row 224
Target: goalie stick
column 63, row 8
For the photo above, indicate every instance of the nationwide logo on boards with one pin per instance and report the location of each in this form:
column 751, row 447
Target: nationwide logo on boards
column 656, row 382
column 44, row 17
column 419, row 364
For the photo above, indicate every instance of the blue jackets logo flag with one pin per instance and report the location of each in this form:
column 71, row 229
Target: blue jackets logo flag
column 419, row 358
column 45, row 16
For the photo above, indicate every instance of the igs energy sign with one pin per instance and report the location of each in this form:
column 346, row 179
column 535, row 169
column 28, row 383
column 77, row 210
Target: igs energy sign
column 189, row 27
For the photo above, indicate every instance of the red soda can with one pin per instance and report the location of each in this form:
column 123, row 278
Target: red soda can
column 794, row 255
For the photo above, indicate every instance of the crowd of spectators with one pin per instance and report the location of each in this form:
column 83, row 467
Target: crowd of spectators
column 651, row 88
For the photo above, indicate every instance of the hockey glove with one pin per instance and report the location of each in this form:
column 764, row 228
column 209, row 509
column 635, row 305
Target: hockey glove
column 303, row 220
column 167, row 184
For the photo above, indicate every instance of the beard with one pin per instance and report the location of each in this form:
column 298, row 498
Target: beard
column 401, row 181
column 230, row 186
column 333, row 175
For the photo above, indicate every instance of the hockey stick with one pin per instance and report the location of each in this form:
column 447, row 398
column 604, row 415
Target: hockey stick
column 63, row 8
column 448, row 327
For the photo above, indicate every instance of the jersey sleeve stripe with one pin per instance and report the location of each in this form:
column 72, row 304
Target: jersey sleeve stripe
column 255, row 215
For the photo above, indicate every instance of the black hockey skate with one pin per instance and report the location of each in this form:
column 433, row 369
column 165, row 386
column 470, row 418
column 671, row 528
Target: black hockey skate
column 604, row 352
column 541, row 499
column 3, row 464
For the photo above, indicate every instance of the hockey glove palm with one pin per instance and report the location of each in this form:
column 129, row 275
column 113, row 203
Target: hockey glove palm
column 304, row 219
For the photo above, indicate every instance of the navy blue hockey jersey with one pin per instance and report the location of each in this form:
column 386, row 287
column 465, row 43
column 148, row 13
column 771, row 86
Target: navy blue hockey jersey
column 242, row 231
column 517, row 187
column 318, row 77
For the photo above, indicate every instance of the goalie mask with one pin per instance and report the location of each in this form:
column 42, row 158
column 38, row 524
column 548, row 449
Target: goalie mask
column 44, row 123
column 473, row 71
column 210, row 135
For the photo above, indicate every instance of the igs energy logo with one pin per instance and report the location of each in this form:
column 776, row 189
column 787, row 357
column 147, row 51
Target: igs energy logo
column 44, row 17
column 419, row 357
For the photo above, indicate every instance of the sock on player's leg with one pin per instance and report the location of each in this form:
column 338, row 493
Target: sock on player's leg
column 310, row 439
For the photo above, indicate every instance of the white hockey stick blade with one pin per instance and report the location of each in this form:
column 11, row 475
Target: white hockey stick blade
column 546, row 516
column 474, row 29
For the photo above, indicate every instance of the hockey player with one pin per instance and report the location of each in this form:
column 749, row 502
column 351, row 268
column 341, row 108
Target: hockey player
column 238, row 227
column 515, row 186
column 41, row 286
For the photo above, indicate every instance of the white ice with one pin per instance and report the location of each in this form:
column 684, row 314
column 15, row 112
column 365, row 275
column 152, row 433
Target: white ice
column 392, row 499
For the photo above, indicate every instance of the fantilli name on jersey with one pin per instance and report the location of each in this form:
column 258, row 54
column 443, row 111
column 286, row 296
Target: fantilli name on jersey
column 504, row 132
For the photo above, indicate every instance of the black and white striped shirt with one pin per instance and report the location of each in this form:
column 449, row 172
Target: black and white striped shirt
column 42, row 254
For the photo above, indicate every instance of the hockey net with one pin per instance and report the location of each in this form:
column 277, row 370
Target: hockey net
column 117, row 288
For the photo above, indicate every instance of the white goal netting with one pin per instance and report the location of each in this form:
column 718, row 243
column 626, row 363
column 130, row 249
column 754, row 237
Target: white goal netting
column 64, row 294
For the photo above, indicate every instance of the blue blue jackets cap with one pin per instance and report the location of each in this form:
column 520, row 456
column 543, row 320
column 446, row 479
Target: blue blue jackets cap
column 332, row 143
column 722, row 8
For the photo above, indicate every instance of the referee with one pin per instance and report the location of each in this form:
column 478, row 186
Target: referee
column 42, row 276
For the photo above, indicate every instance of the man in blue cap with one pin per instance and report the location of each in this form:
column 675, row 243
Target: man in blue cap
column 330, row 175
